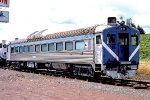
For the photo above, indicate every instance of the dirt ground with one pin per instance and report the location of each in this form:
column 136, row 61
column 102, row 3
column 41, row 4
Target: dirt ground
column 28, row 86
column 143, row 71
column 144, row 68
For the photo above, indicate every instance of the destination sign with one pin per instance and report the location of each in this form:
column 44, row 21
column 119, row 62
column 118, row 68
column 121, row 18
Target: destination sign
column 4, row 3
column 4, row 16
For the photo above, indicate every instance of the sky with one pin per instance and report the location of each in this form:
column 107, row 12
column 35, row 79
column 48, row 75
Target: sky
column 28, row 16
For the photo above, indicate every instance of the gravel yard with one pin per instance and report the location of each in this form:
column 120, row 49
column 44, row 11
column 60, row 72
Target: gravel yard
column 16, row 85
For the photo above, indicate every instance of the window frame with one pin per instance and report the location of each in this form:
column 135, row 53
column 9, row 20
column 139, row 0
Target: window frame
column 26, row 48
column 136, row 41
column 16, row 48
column 71, row 45
column 123, row 40
column 39, row 48
column 100, row 40
column 52, row 46
column 31, row 50
column 78, row 42
column 61, row 45
column 111, row 36
column 45, row 49
column 21, row 49
column 12, row 50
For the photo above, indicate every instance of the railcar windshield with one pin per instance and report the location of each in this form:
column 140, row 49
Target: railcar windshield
column 111, row 39
column 123, row 40
column 134, row 40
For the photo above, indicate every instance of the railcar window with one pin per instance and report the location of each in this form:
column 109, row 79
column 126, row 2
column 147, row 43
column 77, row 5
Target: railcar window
column 31, row 48
column 59, row 46
column 134, row 40
column 37, row 48
column 79, row 45
column 123, row 40
column 12, row 50
column 26, row 48
column 44, row 47
column 16, row 49
column 69, row 46
column 111, row 39
column 0, row 45
column 21, row 49
column 51, row 47
column 98, row 39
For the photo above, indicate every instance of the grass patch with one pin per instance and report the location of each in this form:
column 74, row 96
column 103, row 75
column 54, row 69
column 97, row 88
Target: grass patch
column 145, row 47
column 144, row 67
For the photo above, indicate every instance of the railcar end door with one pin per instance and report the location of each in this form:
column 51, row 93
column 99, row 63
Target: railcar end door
column 123, row 46
column 98, row 49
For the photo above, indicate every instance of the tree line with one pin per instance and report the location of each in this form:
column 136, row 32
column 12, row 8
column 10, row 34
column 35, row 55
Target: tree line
column 139, row 28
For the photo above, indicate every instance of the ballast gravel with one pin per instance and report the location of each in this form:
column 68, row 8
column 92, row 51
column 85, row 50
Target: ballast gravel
column 15, row 85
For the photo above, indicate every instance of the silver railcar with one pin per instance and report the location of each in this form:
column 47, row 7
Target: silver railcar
column 80, row 52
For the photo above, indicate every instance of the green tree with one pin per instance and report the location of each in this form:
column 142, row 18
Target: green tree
column 140, row 29
column 133, row 25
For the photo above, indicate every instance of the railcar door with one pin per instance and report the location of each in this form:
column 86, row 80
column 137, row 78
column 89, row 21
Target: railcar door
column 123, row 46
column 98, row 49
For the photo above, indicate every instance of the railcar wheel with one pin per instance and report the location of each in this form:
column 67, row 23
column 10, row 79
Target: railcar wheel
column 75, row 71
column 97, row 76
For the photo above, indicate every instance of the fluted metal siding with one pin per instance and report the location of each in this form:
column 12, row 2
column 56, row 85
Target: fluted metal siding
column 85, row 57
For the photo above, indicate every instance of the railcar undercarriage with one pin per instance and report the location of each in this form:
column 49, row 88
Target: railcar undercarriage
column 73, row 69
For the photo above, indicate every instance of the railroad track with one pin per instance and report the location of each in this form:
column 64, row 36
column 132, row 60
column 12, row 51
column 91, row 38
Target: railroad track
column 136, row 84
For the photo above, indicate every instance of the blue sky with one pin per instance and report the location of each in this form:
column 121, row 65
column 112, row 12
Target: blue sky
column 27, row 16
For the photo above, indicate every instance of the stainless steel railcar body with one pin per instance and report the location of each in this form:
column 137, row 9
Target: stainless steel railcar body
column 62, row 56
column 85, row 51
column 73, row 48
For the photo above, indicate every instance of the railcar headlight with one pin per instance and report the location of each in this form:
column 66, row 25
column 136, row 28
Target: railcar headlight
column 133, row 67
column 123, row 28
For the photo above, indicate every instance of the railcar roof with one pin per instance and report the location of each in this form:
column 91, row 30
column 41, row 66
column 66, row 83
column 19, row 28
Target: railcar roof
column 76, row 32
column 100, row 28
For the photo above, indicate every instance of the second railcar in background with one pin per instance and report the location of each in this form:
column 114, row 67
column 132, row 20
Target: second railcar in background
column 111, row 50
column 3, row 51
